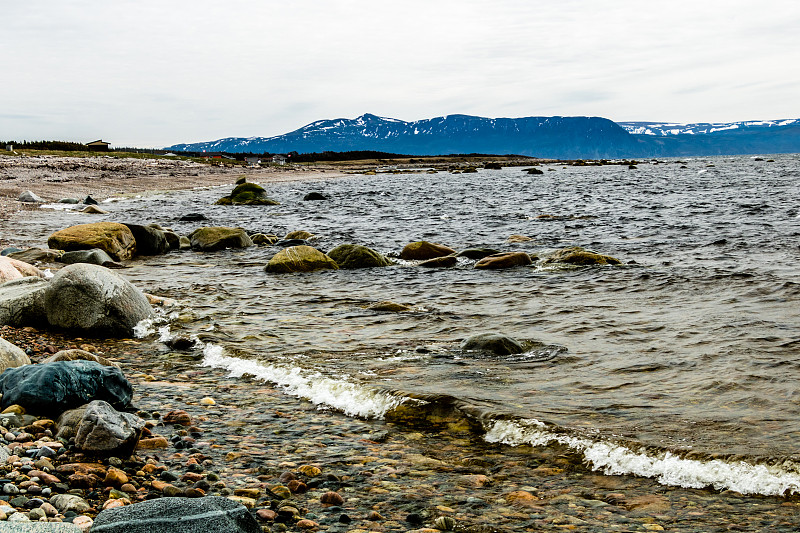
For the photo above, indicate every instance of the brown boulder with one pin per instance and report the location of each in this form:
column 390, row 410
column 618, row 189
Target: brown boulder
column 113, row 238
column 504, row 260
column 423, row 250
column 578, row 256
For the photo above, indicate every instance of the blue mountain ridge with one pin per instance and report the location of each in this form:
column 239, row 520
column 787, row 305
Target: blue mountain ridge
column 548, row 137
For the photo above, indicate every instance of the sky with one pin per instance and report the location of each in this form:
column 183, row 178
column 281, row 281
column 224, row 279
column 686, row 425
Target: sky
column 150, row 73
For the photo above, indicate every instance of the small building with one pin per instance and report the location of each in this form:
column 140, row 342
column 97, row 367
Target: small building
column 98, row 146
column 252, row 161
column 9, row 148
column 279, row 159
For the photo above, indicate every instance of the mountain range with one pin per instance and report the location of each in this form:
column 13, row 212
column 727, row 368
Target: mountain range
column 546, row 137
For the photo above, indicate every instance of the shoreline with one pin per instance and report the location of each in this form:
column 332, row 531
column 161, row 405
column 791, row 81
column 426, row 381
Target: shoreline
column 391, row 477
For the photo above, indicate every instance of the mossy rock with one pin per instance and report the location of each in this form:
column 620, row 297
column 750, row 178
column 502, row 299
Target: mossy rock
column 503, row 260
column 113, row 238
column 264, row 239
column 211, row 239
column 424, row 250
column 518, row 238
column 300, row 259
column 357, row 256
column 247, row 194
column 299, row 234
column 580, row 257
column 390, row 307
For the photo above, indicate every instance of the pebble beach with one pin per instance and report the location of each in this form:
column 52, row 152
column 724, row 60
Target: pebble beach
column 297, row 467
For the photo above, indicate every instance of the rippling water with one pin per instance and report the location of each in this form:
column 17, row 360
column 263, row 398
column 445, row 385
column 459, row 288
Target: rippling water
column 686, row 354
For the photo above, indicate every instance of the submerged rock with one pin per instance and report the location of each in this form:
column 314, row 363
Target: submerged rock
column 504, row 260
column 92, row 298
column 299, row 234
column 264, row 239
column 447, row 261
column 477, row 253
column 113, row 238
column 52, row 388
column 314, row 196
column 578, row 256
column 357, row 256
column 495, row 343
column 300, row 259
column 211, row 239
column 422, row 250
column 390, row 307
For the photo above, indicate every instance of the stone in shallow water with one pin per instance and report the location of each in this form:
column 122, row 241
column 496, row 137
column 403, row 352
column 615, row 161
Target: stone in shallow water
column 495, row 343
column 178, row 515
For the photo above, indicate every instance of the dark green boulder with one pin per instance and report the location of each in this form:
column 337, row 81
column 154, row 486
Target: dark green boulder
column 357, row 256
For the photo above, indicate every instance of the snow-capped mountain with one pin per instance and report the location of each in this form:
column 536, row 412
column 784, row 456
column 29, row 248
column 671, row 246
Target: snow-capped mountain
column 700, row 128
column 547, row 137
column 557, row 137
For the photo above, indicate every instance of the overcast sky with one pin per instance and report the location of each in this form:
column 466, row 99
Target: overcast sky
column 154, row 73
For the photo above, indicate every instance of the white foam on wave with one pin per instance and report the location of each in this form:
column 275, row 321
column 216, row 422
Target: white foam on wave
column 350, row 398
column 667, row 469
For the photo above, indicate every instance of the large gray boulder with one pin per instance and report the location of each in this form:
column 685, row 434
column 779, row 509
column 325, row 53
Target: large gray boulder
column 52, row 388
column 11, row 356
column 94, row 299
column 31, row 197
column 22, row 302
column 102, row 430
column 178, row 515
column 493, row 343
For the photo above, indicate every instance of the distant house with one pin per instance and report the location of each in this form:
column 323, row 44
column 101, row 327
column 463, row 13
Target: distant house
column 9, row 148
column 252, row 161
column 98, row 146
column 279, row 159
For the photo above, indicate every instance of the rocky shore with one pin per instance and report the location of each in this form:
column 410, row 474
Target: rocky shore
column 284, row 465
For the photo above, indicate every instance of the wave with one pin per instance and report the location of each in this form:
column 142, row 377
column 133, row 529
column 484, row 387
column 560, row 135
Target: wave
column 342, row 395
column 667, row 468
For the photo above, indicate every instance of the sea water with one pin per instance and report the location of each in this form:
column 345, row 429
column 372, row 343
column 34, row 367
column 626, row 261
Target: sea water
column 682, row 364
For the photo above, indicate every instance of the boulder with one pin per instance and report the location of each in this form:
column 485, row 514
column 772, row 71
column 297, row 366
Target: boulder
column 94, row 299
column 286, row 243
column 578, row 256
column 314, row 196
column 211, row 239
column 26, row 269
column 71, row 201
column 11, row 356
column 357, row 256
column 390, row 307
column 477, row 253
column 422, row 250
column 495, row 343
column 22, row 302
column 104, row 431
column 504, row 260
column 36, row 255
column 30, row 197
column 264, row 239
column 78, row 355
column 447, row 261
column 95, row 256
column 247, row 194
column 299, row 234
column 7, row 270
column 173, row 240
column 113, row 238
column 89, row 201
column 299, row 259
column 10, row 250
column 52, row 388
column 94, row 210
column 149, row 240
column 178, row 515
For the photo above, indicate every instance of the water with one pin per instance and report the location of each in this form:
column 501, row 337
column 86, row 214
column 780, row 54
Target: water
column 681, row 364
